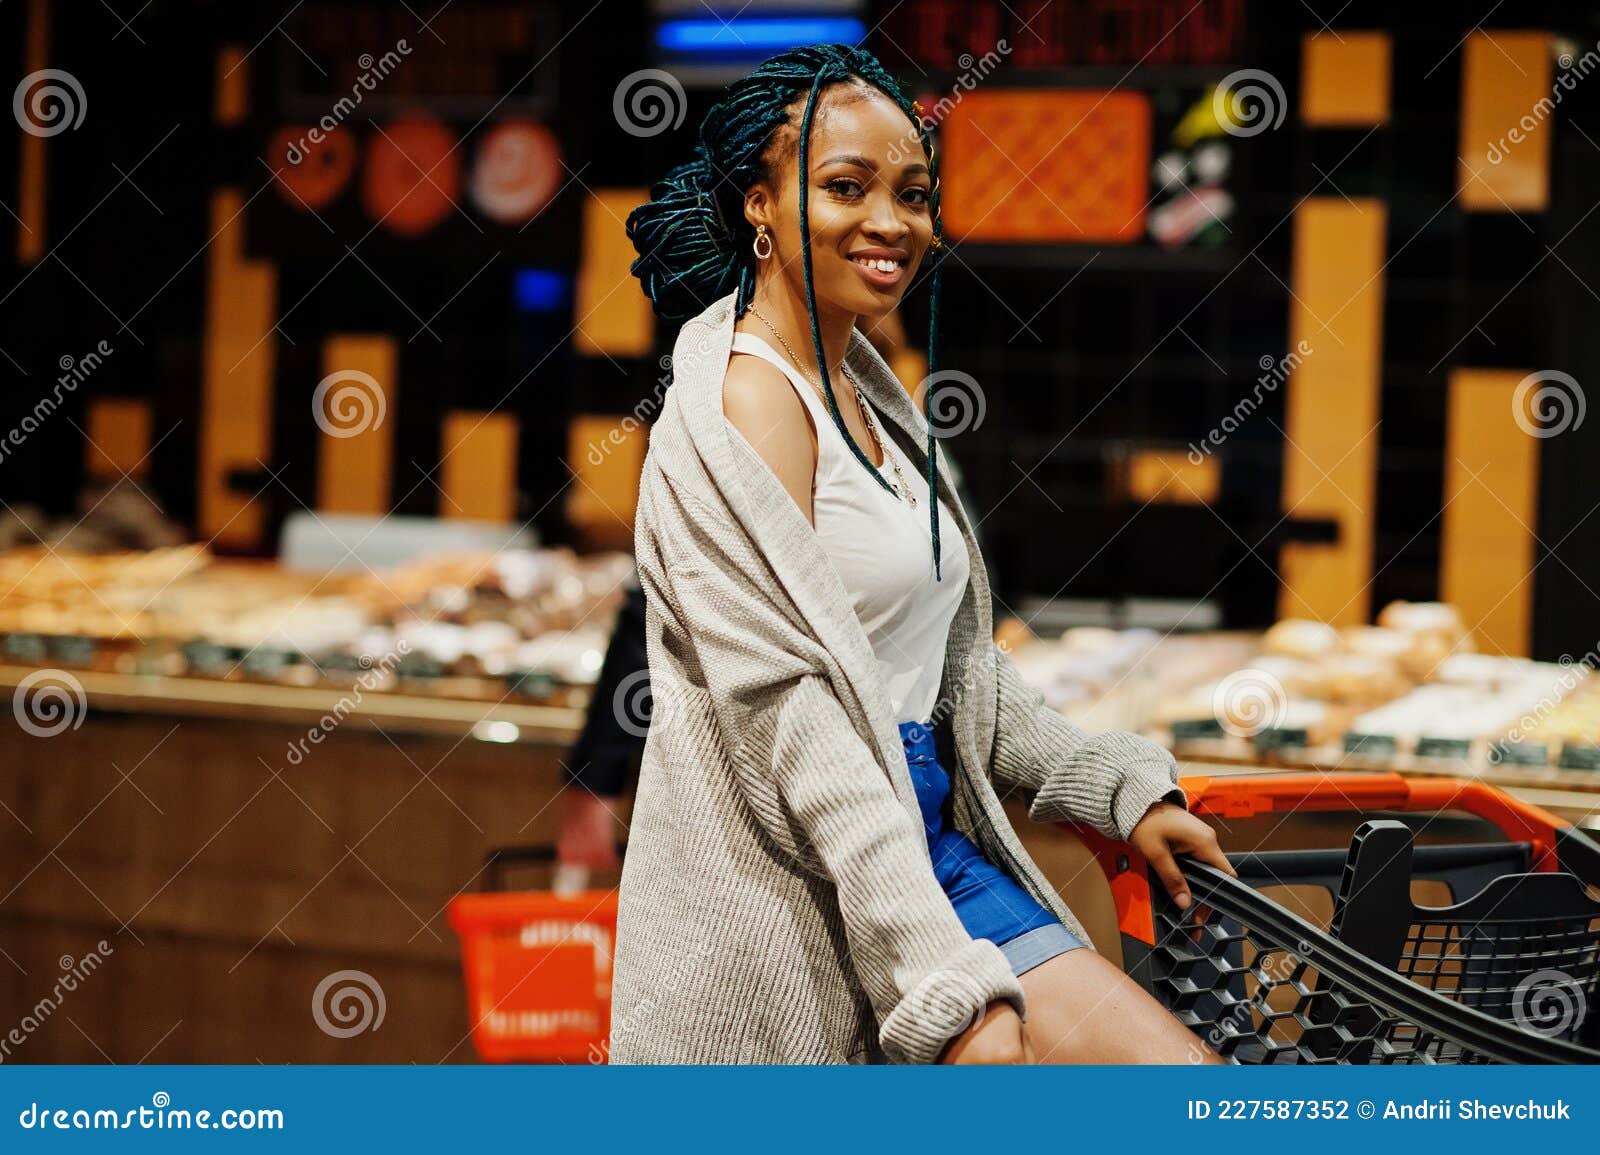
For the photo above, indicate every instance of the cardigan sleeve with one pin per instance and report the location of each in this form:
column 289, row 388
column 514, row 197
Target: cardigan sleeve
column 1107, row 781
column 817, row 791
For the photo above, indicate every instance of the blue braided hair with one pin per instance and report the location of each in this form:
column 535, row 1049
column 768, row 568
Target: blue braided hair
column 694, row 243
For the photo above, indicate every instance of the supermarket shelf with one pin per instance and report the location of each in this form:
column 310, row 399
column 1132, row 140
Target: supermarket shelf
column 405, row 713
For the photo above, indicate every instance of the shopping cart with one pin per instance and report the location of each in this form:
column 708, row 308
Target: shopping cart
column 537, row 966
column 1506, row 973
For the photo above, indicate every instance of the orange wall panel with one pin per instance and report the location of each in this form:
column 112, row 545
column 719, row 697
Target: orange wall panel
column 1506, row 103
column 612, row 315
column 479, row 473
column 1491, row 496
column 118, row 430
column 355, row 413
column 238, row 359
column 1046, row 165
column 1331, row 449
column 1344, row 79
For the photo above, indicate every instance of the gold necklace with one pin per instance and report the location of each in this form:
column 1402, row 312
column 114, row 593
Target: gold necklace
column 898, row 482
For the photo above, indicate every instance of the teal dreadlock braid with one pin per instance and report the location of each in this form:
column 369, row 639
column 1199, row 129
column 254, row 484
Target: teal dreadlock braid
column 694, row 243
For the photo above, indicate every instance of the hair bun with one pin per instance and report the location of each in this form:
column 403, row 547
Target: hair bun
column 687, row 253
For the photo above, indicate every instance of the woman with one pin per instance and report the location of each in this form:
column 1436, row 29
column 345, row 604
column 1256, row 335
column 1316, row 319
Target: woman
column 819, row 868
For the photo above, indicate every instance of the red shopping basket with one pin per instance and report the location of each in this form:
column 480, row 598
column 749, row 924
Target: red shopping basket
column 537, row 967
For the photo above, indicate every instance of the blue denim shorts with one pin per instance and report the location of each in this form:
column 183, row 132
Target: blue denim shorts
column 989, row 902
column 1041, row 944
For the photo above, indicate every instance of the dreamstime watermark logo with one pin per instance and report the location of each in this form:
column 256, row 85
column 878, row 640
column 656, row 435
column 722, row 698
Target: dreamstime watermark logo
column 74, row 372
column 1274, row 372
column 1573, row 672
column 372, row 71
column 641, row 416
column 348, row 1003
column 1249, row 102
column 1549, row 1003
column 973, row 70
column 1573, row 69
column 1281, row 966
column 1548, row 403
column 957, row 403
column 635, row 1017
column 375, row 674
column 1249, row 701
column 635, row 706
column 49, row 102
column 74, row 972
column 49, row 702
column 649, row 102
column 347, row 403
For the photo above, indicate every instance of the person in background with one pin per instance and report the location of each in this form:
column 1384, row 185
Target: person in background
column 600, row 764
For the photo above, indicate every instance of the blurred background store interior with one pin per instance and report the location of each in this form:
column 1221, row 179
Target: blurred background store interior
column 327, row 390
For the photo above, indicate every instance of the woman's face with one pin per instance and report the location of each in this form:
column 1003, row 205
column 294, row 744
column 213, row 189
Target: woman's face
column 871, row 217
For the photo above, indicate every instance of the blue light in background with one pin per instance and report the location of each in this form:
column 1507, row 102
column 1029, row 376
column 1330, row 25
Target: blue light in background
column 751, row 34
column 540, row 290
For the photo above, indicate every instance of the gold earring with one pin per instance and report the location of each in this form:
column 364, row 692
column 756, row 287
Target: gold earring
column 763, row 243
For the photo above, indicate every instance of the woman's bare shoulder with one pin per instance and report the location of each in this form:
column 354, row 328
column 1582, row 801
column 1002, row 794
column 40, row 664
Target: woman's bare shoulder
column 760, row 402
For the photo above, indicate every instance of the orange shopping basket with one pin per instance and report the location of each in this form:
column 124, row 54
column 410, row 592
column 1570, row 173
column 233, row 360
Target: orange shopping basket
column 537, row 967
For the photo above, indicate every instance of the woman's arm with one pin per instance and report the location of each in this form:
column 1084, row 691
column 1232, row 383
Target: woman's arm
column 1108, row 781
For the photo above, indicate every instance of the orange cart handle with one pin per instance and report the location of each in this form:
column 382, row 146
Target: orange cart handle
column 1248, row 797
column 1251, row 796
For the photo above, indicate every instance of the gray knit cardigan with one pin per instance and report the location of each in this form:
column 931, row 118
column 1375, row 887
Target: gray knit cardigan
column 778, row 902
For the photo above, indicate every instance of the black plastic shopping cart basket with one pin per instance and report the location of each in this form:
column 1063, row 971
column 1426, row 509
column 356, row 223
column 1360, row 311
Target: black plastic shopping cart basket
column 1506, row 972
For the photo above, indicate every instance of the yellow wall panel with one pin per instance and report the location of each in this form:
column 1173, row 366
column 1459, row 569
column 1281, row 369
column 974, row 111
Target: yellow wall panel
column 31, row 161
column 479, row 473
column 119, row 438
column 355, row 413
column 607, row 454
column 236, row 378
column 1491, row 479
column 1171, row 478
column 1344, row 80
column 1331, row 409
column 1506, row 103
column 232, row 98
column 612, row 315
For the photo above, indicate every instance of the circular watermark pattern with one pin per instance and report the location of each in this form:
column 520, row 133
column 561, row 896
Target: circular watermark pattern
column 957, row 403
column 953, row 999
column 49, row 702
column 49, row 102
column 347, row 403
column 1548, row 1003
column 1249, row 102
column 633, row 705
column 1548, row 403
column 649, row 102
column 348, row 1003
column 161, row 1099
column 1249, row 701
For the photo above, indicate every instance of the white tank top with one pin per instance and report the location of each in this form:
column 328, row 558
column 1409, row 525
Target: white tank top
column 883, row 551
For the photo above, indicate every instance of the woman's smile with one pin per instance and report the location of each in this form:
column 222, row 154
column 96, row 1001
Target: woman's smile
column 883, row 268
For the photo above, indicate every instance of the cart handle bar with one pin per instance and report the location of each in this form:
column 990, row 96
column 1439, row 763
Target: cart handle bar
column 1251, row 796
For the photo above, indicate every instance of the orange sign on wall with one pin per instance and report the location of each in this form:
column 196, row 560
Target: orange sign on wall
column 1046, row 165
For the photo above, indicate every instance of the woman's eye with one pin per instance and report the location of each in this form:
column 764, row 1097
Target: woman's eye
column 915, row 196
column 844, row 186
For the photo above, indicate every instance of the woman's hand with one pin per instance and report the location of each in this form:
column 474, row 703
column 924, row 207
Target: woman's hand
column 997, row 1038
column 1167, row 830
column 588, row 832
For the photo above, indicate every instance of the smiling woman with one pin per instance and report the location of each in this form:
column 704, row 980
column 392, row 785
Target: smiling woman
column 799, row 886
